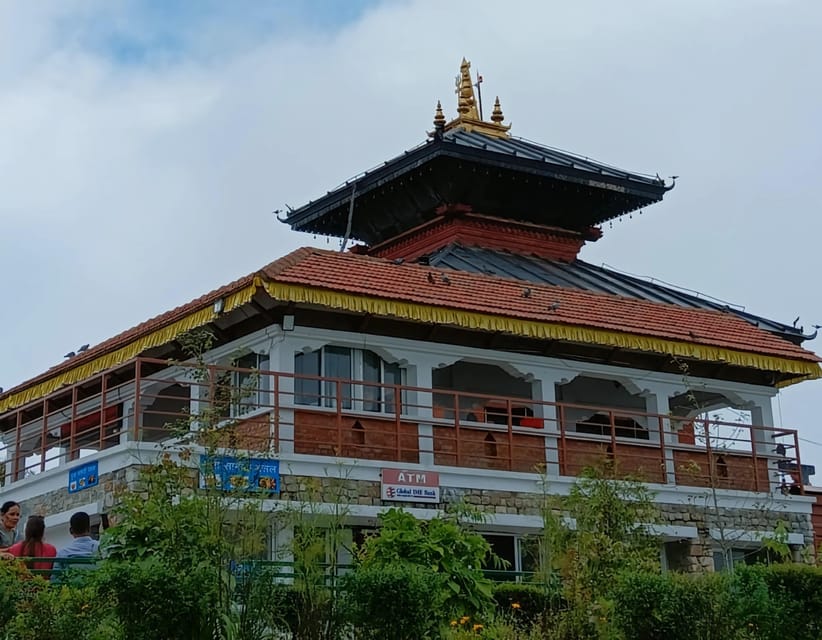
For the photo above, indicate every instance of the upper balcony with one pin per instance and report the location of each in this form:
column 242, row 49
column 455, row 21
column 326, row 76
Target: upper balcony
column 282, row 413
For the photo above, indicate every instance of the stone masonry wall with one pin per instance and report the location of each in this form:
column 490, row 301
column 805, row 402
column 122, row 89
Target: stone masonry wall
column 762, row 517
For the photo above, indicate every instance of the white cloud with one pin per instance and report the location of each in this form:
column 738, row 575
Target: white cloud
column 131, row 187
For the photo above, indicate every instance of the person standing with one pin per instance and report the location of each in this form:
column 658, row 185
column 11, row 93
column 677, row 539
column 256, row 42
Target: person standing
column 9, row 517
column 33, row 546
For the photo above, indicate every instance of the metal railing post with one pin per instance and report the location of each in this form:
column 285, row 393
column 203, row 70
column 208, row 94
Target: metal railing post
column 103, row 387
column 73, row 424
column 509, row 408
column 752, row 433
column 137, row 385
column 397, row 421
column 44, row 434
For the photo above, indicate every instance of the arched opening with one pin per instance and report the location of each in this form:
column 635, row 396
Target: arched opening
column 603, row 407
column 478, row 392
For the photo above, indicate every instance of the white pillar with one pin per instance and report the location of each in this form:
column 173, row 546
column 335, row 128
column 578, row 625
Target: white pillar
column 11, row 450
column 659, row 425
column 127, row 431
column 420, row 375
column 764, row 445
column 282, row 359
column 548, row 379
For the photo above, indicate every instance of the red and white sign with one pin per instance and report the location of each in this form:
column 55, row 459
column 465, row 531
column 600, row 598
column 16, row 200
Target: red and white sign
column 403, row 485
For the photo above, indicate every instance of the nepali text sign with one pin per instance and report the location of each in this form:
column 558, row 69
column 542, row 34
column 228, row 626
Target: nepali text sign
column 83, row 477
column 251, row 475
column 402, row 485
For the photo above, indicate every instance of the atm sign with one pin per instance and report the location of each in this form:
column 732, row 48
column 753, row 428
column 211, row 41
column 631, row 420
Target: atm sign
column 403, row 485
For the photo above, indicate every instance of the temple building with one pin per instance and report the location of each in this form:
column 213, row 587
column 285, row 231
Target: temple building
column 455, row 349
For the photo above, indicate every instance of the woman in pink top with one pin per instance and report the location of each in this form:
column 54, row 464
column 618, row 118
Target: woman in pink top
column 33, row 545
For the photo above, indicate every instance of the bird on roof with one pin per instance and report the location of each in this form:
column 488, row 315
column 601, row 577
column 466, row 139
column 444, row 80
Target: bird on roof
column 446, row 279
column 70, row 354
column 399, row 260
column 83, row 348
column 526, row 292
column 554, row 306
column 430, row 277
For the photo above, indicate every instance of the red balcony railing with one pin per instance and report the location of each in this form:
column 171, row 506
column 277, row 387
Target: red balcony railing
column 273, row 412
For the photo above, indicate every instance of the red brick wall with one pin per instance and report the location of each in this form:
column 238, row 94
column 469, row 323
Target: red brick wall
column 641, row 462
column 253, row 434
column 476, row 451
column 693, row 470
column 315, row 432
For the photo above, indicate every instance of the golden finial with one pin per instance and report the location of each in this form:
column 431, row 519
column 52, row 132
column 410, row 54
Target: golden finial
column 496, row 114
column 439, row 118
column 468, row 117
column 466, row 104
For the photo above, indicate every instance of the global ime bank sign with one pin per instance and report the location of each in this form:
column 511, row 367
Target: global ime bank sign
column 402, row 485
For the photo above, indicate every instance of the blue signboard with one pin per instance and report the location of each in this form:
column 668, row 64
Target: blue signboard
column 244, row 475
column 83, row 477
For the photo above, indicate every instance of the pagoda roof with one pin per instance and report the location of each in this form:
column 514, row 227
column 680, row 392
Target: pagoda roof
column 504, row 176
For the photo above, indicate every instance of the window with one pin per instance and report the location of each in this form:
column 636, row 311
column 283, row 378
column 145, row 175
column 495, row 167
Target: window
column 338, row 365
column 505, row 547
column 735, row 556
column 248, row 387
column 307, row 390
column 375, row 369
column 346, row 364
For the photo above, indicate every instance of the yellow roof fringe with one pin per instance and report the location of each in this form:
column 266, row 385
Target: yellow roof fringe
column 124, row 354
column 418, row 313
column 538, row 329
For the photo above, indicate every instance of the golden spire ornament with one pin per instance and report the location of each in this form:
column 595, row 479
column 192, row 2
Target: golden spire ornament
column 496, row 114
column 439, row 118
column 468, row 117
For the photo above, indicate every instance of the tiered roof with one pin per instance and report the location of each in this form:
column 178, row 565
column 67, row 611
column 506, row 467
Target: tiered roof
column 475, row 233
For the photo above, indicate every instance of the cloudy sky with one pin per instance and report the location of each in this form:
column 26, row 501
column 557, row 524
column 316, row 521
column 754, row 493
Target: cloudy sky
column 145, row 144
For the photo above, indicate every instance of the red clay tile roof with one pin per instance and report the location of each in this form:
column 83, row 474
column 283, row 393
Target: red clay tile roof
column 376, row 277
column 380, row 278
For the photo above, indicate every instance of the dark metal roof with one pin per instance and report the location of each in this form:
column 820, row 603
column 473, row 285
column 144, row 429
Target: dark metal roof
column 506, row 177
column 526, row 150
column 582, row 275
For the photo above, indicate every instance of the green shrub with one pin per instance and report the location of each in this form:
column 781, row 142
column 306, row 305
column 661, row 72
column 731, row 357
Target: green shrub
column 794, row 600
column 442, row 545
column 264, row 604
column 12, row 590
column 393, row 601
column 63, row 613
column 526, row 604
column 154, row 601
column 675, row 607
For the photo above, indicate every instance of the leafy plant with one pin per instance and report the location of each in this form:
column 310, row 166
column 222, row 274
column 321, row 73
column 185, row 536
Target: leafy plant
column 524, row 605
column 441, row 545
column 13, row 589
column 152, row 599
column 393, row 601
column 63, row 613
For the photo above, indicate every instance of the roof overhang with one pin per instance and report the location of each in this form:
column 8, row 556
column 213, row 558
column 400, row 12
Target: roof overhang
column 259, row 296
column 405, row 191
